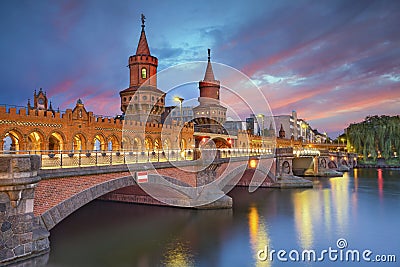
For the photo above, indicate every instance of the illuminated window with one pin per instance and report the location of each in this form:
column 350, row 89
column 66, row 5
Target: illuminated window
column 144, row 73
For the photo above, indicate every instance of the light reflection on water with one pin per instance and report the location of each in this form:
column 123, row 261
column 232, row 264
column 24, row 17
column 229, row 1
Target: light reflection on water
column 363, row 206
column 259, row 238
column 178, row 254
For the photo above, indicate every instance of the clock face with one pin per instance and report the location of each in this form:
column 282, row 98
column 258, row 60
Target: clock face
column 41, row 101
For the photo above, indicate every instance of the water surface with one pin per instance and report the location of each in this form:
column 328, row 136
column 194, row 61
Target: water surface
column 363, row 207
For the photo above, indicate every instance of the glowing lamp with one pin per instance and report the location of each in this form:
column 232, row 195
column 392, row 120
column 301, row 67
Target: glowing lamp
column 253, row 163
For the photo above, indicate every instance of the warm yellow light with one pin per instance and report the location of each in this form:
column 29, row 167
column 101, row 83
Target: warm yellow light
column 178, row 99
column 253, row 163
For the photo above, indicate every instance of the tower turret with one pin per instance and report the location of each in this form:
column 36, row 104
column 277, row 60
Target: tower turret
column 147, row 104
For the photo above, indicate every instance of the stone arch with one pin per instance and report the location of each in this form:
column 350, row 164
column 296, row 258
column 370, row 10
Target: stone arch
column 76, row 201
column 285, row 167
column 56, row 214
column 332, row 165
column 242, row 175
column 99, row 142
column 183, row 145
column 17, row 139
column 35, row 140
column 167, row 144
column 148, row 143
column 79, row 142
column 221, row 142
column 344, row 162
column 126, row 143
column 323, row 163
column 157, row 144
column 137, row 143
column 56, row 141
column 113, row 143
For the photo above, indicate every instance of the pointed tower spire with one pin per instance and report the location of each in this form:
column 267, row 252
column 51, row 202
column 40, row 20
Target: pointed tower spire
column 143, row 47
column 209, row 75
column 282, row 133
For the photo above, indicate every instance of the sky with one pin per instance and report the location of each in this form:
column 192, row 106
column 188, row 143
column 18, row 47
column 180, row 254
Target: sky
column 334, row 62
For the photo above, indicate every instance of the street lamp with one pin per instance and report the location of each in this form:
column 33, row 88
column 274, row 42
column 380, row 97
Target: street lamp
column 180, row 100
column 262, row 129
column 304, row 127
column 262, row 116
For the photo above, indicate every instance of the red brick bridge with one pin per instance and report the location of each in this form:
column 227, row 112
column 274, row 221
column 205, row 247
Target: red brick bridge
column 34, row 200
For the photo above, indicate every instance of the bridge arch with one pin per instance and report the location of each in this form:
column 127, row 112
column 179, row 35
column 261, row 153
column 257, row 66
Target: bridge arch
column 56, row 141
column 148, row 143
column 113, row 143
column 79, row 142
column 36, row 140
column 137, row 143
column 99, row 142
column 51, row 217
column 56, row 214
column 126, row 143
column 15, row 137
column 166, row 144
column 332, row 165
column 157, row 144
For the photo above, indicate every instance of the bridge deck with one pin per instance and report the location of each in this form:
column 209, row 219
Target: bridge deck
column 49, row 193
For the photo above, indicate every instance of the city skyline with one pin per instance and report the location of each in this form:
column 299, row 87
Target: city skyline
column 334, row 63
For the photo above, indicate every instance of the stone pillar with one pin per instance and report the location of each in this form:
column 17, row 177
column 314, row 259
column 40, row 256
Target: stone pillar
column 21, row 236
column 316, row 165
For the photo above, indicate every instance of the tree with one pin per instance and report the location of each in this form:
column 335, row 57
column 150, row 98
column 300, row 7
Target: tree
column 375, row 136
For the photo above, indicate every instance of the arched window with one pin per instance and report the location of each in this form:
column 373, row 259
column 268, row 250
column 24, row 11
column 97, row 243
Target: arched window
column 144, row 73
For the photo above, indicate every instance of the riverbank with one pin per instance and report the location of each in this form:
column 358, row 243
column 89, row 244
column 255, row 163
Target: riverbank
column 379, row 163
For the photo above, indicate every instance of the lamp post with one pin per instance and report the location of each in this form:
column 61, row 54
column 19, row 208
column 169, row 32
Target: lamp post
column 180, row 100
column 262, row 128
column 304, row 126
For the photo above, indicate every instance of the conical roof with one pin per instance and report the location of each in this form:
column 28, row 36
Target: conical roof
column 143, row 47
column 209, row 75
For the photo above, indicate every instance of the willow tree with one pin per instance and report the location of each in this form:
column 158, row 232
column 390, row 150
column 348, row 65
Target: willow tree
column 375, row 136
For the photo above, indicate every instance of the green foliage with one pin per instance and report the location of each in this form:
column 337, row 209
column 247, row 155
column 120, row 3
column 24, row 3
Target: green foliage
column 375, row 135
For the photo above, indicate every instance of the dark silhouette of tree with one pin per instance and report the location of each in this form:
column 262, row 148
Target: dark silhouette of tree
column 375, row 136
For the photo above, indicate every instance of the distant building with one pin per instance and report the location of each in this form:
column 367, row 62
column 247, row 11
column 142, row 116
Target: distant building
column 173, row 113
column 293, row 127
column 252, row 125
column 233, row 127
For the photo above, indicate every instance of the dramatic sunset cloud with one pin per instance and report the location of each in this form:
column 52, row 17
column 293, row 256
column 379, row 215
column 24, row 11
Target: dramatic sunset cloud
column 334, row 62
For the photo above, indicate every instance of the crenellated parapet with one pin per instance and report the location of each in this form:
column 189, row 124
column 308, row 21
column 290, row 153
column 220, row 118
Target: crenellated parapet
column 79, row 129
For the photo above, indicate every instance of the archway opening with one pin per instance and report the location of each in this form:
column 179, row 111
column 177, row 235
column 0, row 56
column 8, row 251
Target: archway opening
column 126, row 143
column 99, row 143
column 113, row 144
column 7, row 143
column 79, row 142
column 137, row 144
column 148, row 143
column 56, row 142
column 221, row 143
column 157, row 144
column 12, row 141
column 167, row 144
column 183, row 144
column 35, row 141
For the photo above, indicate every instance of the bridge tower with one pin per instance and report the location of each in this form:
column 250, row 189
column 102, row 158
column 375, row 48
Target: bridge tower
column 209, row 114
column 145, row 104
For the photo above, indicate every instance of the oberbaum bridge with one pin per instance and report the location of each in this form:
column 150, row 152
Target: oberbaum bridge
column 51, row 169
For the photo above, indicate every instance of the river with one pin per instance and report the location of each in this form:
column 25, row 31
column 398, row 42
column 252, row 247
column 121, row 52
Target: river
column 361, row 209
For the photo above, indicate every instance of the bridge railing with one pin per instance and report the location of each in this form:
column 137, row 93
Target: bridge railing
column 310, row 151
column 71, row 159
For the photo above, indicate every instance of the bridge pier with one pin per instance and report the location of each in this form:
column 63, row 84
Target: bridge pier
column 21, row 236
column 284, row 171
